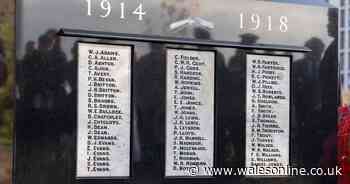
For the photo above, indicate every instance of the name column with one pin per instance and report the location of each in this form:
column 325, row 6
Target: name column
column 190, row 111
column 104, row 89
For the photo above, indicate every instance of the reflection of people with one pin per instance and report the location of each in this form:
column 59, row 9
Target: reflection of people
column 234, row 139
column 69, row 87
column 42, row 84
column 223, row 94
column 307, row 70
column 307, row 96
column 71, row 69
column 34, row 69
column 41, row 117
column 237, row 62
column 150, row 109
column 150, row 94
column 330, row 98
column 328, row 71
column 30, row 48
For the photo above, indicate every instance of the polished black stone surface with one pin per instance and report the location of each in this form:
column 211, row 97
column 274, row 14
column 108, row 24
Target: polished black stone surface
column 46, row 117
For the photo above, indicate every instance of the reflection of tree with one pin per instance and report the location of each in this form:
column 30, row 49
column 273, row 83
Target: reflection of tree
column 6, row 80
column 7, row 66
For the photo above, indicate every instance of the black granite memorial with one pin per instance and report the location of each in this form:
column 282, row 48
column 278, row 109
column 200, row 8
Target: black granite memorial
column 158, row 91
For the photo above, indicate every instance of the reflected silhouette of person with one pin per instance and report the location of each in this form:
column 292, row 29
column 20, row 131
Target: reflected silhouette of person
column 221, row 70
column 235, row 131
column 237, row 62
column 150, row 109
column 70, row 87
column 29, row 51
column 34, row 71
column 72, row 68
column 42, row 71
column 30, row 48
column 54, row 82
column 328, row 71
column 222, row 92
column 307, row 74
column 330, row 98
column 26, row 72
column 307, row 97
column 54, row 71
column 39, row 123
column 33, row 64
column 20, row 78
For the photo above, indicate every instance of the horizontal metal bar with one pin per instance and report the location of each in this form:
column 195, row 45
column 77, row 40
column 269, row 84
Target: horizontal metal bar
column 171, row 40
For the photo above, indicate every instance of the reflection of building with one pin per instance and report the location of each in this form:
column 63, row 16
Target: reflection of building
column 313, row 2
column 344, row 41
column 344, row 44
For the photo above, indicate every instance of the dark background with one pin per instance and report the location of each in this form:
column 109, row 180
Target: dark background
column 46, row 114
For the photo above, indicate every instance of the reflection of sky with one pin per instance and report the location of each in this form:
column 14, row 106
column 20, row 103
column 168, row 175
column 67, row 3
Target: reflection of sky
column 313, row 2
column 304, row 21
column 335, row 2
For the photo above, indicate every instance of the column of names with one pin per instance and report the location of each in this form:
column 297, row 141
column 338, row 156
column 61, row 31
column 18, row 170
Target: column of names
column 190, row 111
column 104, row 88
column 267, row 111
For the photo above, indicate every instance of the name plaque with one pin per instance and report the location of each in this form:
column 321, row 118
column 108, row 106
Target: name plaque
column 104, row 107
column 189, row 112
column 267, row 112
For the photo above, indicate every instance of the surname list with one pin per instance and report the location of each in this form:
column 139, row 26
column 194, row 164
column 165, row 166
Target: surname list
column 267, row 111
column 104, row 88
column 190, row 111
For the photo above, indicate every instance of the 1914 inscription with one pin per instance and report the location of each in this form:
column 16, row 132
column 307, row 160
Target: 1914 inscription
column 190, row 111
column 104, row 88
